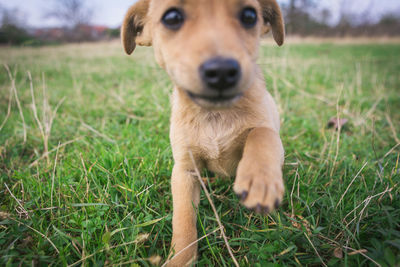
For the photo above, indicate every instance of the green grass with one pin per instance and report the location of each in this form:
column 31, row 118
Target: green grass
column 102, row 195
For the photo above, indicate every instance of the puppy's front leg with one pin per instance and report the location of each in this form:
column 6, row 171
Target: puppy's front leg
column 186, row 196
column 259, row 181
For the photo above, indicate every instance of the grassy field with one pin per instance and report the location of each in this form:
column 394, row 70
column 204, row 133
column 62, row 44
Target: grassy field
column 85, row 161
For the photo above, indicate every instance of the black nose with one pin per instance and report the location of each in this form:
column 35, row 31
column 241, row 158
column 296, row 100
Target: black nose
column 220, row 73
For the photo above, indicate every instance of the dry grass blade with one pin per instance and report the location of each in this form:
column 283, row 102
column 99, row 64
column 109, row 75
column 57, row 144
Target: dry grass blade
column 364, row 202
column 339, row 130
column 39, row 233
column 362, row 253
column 48, row 115
column 291, row 193
column 52, row 177
column 214, row 209
column 316, row 251
column 19, row 203
column 8, row 109
column 394, row 132
column 391, row 150
column 102, row 250
column 90, row 128
column 355, row 251
column 352, row 181
column 54, row 149
column 13, row 87
column 34, row 106
column 86, row 175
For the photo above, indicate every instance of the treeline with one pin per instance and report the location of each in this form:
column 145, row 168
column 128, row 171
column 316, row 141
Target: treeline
column 302, row 18
column 307, row 18
column 74, row 17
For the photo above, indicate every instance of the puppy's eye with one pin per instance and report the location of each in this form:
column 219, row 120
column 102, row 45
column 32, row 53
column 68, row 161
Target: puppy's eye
column 173, row 19
column 248, row 17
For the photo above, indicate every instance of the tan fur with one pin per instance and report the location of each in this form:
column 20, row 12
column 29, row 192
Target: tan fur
column 238, row 139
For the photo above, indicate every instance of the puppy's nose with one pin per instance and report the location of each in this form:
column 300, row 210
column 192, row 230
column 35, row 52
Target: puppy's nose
column 220, row 73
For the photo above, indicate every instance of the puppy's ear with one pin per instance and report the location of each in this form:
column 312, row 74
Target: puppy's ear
column 134, row 29
column 273, row 19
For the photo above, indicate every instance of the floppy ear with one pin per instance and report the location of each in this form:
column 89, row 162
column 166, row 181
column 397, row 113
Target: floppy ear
column 273, row 19
column 134, row 29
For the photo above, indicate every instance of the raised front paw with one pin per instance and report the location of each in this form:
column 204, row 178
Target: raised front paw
column 260, row 188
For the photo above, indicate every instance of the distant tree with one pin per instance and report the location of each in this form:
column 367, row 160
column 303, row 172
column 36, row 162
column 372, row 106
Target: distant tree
column 390, row 19
column 12, row 17
column 325, row 16
column 71, row 13
column 389, row 24
column 12, row 28
column 300, row 18
column 75, row 16
column 114, row 33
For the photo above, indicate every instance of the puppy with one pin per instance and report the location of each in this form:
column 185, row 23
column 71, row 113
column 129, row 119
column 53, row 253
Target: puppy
column 221, row 111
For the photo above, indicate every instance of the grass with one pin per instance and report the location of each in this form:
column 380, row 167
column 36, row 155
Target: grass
column 84, row 173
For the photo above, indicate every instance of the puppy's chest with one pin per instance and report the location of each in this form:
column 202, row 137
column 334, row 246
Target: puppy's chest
column 220, row 144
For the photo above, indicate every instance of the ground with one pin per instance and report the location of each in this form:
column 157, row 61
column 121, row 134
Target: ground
column 85, row 161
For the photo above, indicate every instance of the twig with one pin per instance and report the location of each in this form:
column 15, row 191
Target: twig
column 19, row 203
column 365, row 164
column 188, row 246
column 214, row 209
column 16, row 99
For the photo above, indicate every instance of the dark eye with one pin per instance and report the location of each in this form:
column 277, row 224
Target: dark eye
column 248, row 17
column 173, row 19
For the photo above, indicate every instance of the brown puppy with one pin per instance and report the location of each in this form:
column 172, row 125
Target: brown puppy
column 221, row 111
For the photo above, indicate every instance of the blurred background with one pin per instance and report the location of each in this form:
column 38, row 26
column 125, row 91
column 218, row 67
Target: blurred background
column 38, row 22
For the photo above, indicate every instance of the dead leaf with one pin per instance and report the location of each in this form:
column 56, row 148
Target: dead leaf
column 27, row 242
column 4, row 215
column 206, row 179
column 335, row 122
column 338, row 253
column 155, row 260
column 304, row 222
column 142, row 238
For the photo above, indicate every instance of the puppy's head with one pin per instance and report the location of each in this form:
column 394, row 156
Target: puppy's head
column 208, row 47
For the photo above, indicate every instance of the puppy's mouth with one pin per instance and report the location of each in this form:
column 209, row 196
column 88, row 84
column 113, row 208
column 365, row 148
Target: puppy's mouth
column 218, row 100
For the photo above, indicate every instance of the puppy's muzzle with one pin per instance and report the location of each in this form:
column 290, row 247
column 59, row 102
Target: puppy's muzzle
column 220, row 74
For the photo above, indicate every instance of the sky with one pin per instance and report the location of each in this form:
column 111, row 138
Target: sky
column 110, row 13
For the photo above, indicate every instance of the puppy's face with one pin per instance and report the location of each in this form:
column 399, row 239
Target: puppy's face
column 208, row 47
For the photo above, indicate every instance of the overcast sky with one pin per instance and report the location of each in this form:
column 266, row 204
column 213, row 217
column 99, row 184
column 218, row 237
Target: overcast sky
column 110, row 12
